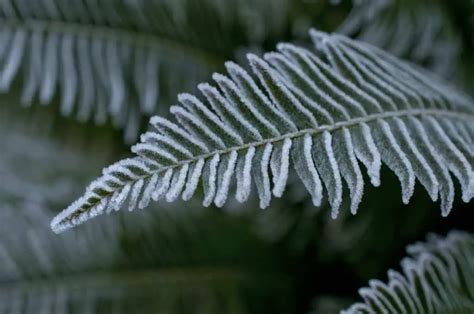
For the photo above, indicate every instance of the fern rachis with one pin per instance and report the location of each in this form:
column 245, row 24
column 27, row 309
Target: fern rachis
column 322, row 115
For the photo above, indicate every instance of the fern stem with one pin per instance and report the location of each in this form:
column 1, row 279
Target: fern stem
column 330, row 128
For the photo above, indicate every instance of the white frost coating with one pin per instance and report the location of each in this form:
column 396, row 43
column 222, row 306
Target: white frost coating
column 125, row 167
column 339, row 60
column 322, row 45
column 13, row 61
column 381, row 291
column 446, row 189
column 317, row 66
column 461, row 143
column 456, row 161
column 151, row 152
column 61, row 222
column 335, row 200
column 357, row 187
column 317, row 193
column 337, row 111
column 460, row 137
column 405, row 174
column 279, row 183
column 102, row 183
column 227, row 108
column 211, row 192
column 267, row 76
column 223, row 186
column 237, row 72
column 158, row 122
column 119, row 197
column 265, row 195
column 178, row 185
column 398, row 287
column 162, row 186
column 116, row 170
column 386, row 86
column 135, row 194
column 182, row 114
column 146, row 195
column 247, row 84
column 135, row 162
column 369, row 297
column 310, row 95
column 193, row 180
column 397, row 87
column 422, row 169
column 151, row 137
column 244, row 180
column 229, row 88
column 366, row 151
column 464, row 132
column 188, row 100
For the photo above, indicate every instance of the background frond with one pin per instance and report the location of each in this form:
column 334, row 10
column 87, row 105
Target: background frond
column 420, row 31
column 166, row 262
column 436, row 278
column 119, row 59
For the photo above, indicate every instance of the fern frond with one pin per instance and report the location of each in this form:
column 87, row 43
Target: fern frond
column 118, row 59
column 129, row 263
column 437, row 278
column 322, row 115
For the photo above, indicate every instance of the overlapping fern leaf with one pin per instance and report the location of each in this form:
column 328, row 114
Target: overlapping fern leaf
column 121, row 265
column 323, row 111
column 437, row 278
column 118, row 59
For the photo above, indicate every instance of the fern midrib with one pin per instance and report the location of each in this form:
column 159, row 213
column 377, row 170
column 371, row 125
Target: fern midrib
column 338, row 125
column 132, row 38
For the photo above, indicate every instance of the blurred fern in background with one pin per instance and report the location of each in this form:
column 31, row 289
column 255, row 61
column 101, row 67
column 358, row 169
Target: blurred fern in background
column 79, row 81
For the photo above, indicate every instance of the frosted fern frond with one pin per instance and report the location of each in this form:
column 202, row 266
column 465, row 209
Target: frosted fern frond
column 119, row 59
column 437, row 278
column 419, row 31
column 324, row 116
